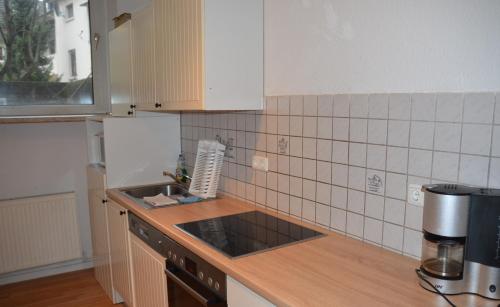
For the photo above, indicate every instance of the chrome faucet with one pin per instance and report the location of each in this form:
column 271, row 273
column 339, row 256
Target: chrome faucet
column 184, row 181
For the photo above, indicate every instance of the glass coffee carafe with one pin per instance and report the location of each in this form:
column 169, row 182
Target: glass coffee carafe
column 443, row 257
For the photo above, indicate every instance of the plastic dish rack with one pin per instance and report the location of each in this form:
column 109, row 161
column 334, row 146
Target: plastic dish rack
column 207, row 169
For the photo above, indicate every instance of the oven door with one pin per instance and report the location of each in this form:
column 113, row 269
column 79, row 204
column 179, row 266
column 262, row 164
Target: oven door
column 185, row 291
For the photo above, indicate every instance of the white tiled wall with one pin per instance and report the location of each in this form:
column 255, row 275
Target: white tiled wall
column 344, row 162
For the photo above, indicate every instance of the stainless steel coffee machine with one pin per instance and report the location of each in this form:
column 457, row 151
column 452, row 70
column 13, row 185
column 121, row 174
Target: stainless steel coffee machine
column 461, row 243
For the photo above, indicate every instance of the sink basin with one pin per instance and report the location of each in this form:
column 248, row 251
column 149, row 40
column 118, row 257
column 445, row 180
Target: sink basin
column 173, row 190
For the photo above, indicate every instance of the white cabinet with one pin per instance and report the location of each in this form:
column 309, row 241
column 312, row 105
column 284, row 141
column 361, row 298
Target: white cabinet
column 148, row 273
column 240, row 296
column 119, row 248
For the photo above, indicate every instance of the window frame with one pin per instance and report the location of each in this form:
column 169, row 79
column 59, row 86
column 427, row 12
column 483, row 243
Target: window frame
column 99, row 27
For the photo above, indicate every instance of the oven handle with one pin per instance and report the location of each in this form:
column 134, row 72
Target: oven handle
column 186, row 287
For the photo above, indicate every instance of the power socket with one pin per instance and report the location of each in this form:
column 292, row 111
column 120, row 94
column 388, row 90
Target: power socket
column 415, row 195
column 260, row 163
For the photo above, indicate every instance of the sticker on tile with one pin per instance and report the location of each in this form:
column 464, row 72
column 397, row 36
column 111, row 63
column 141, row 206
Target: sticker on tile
column 283, row 145
column 375, row 182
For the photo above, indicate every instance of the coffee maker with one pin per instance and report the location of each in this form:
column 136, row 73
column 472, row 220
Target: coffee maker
column 461, row 242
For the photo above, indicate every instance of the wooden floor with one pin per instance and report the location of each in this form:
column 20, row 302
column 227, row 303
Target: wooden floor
column 76, row 289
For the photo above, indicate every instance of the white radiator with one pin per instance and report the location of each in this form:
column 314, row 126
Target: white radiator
column 37, row 231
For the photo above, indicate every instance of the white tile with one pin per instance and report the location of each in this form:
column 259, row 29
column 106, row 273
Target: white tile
column 284, row 202
column 271, row 105
column 260, row 178
column 250, row 192
column 339, row 174
column 341, row 105
column 250, row 140
column 395, row 186
column 272, row 124
column 412, row 242
column 240, row 121
column 357, row 154
column 474, row 170
column 323, row 191
column 399, row 106
column 310, row 105
column 296, row 125
column 357, row 177
column 296, row 105
column 296, row 166
column 284, row 183
column 375, row 181
column 394, row 211
column 260, row 141
column 272, row 162
column 359, row 105
column 420, row 162
column 309, row 148
column 325, row 127
column 296, row 206
column 296, row 146
column 338, row 219
column 449, row 107
column 310, row 126
column 476, row 139
column 340, row 129
column 260, row 123
column 250, row 175
column 272, row 181
column 272, row 199
column 495, row 146
column 324, row 150
column 340, row 152
column 296, row 186
column 323, row 214
column 374, row 206
column 422, row 135
column 355, row 223
column 393, row 236
column 309, row 210
column 378, row 106
column 309, row 169
column 377, row 131
column 397, row 159
column 413, row 216
column 325, row 105
column 283, row 105
column 398, row 133
column 284, row 125
column 447, row 137
column 376, row 157
column 324, row 172
column 479, row 108
column 445, row 166
column 358, row 130
column 373, row 230
column 272, row 143
column 260, row 195
column 339, row 197
column 494, row 181
column 497, row 109
column 423, row 106
column 309, row 189
column 356, row 201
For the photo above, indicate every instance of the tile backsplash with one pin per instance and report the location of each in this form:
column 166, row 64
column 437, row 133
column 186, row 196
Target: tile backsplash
column 344, row 162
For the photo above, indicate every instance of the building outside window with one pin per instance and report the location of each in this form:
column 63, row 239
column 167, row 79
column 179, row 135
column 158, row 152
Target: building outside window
column 72, row 60
column 69, row 11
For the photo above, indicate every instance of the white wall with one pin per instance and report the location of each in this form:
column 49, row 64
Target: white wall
column 341, row 46
column 39, row 159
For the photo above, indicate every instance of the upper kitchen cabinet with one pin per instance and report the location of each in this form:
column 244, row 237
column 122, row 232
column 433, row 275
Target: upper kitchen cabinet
column 208, row 55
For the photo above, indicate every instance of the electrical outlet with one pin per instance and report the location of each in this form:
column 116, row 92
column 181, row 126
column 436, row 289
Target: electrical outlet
column 415, row 195
column 260, row 163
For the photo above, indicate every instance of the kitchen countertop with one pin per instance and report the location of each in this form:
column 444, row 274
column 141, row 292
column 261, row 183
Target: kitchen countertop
column 333, row 270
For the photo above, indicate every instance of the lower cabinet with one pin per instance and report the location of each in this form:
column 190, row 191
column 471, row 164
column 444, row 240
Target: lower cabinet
column 240, row 296
column 148, row 274
column 119, row 248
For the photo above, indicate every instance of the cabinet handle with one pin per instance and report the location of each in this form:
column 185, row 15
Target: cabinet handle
column 104, row 201
column 130, row 112
column 123, row 212
column 157, row 105
column 132, row 106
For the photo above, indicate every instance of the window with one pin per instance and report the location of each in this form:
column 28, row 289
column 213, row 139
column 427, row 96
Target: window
column 57, row 80
column 69, row 11
column 72, row 62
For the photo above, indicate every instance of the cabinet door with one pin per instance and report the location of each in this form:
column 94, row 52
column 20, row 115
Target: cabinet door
column 119, row 246
column 148, row 274
column 240, row 296
column 143, row 59
column 179, row 53
column 99, row 228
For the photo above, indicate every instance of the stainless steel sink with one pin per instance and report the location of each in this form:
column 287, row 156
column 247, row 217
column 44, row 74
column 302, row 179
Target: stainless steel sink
column 172, row 190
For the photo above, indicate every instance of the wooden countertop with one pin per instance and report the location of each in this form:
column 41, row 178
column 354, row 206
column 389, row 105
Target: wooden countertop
column 329, row 271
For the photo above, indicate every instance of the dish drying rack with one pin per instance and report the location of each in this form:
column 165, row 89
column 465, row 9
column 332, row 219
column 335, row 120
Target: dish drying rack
column 207, row 169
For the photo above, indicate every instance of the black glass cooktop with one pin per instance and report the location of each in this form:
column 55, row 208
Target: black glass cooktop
column 246, row 233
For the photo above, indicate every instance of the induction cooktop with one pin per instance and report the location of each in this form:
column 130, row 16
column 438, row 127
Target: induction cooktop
column 247, row 233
